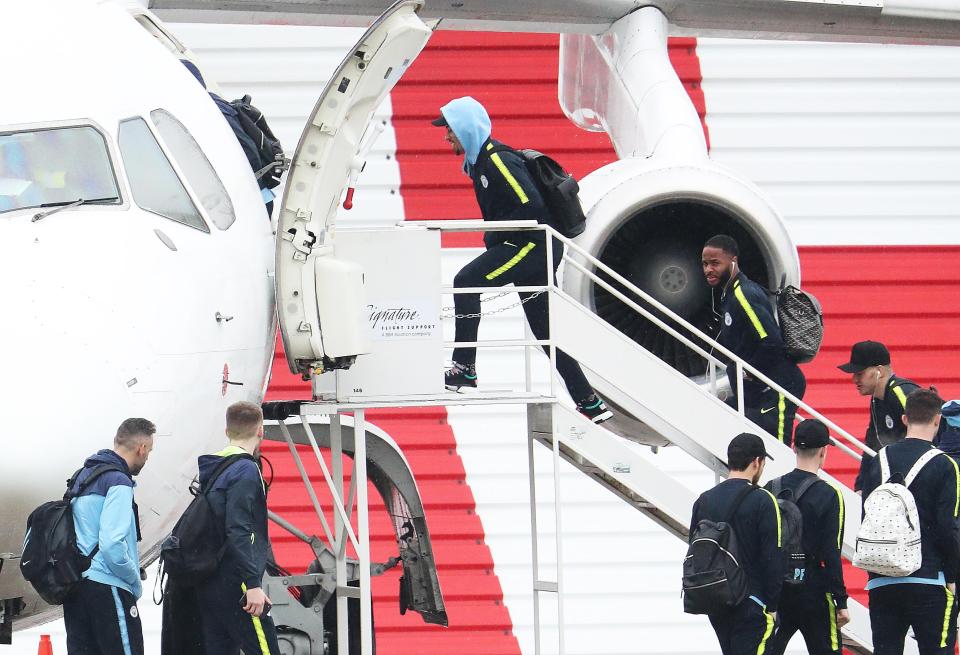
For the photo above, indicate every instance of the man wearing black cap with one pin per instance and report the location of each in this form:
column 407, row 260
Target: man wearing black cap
column 505, row 191
column 870, row 368
column 816, row 602
column 747, row 628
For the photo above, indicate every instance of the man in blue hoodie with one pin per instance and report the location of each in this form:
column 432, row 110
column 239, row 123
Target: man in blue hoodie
column 505, row 191
column 101, row 615
column 234, row 609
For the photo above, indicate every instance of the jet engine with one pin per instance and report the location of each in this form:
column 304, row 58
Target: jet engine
column 648, row 221
column 649, row 214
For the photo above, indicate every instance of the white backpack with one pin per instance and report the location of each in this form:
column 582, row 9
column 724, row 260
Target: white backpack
column 888, row 542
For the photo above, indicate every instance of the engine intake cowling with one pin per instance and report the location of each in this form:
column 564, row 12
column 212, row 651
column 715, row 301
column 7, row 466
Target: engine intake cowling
column 648, row 220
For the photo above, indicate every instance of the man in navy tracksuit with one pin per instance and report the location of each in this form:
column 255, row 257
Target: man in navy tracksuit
column 925, row 599
column 750, row 331
column 101, row 615
column 870, row 371
column 505, row 191
column 233, row 606
column 748, row 627
column 815, row 603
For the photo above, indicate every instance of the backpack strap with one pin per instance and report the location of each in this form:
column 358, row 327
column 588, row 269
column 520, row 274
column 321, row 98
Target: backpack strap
column 776, row 486
column 804, row 488
column 920, row 463
column 884, row 466
column 501, row 148
column 736, row 503
column 97, row 471
column 222, row 468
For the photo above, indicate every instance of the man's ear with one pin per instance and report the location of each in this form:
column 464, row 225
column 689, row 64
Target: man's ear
column 903, row 418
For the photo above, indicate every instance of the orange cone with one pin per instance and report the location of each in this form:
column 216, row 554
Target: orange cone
column 45, row 648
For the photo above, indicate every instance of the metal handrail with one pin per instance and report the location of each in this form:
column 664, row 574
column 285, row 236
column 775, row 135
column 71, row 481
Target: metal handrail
column 715, row 346
column 741, row 365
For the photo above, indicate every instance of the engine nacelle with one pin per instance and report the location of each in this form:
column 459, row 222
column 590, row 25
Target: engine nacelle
column 649, row 219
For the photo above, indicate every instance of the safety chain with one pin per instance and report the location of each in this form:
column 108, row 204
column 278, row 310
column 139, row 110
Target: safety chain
column 492, row 311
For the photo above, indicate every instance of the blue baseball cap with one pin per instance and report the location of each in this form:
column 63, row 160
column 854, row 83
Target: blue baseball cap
column 951, row 412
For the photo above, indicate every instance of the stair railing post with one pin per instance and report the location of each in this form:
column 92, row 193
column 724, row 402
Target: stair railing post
column 363, row 530
column 340, row 546
column 534, row 539
column 558, row 513
column 548, row 238
column 740, row 407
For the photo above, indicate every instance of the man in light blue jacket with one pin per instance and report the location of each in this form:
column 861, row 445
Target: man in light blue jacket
column 101, row 615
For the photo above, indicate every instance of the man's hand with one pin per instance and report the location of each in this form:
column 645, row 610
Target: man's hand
column 256, row 600
column 843, row 618
column 952, row 586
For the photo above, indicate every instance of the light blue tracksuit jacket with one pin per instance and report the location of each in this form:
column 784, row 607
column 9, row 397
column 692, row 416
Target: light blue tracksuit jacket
column 105, row 514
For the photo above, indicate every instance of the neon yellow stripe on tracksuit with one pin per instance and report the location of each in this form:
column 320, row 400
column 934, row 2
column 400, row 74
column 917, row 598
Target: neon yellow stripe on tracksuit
column 508, row 176
column 766, row 635
column 258, row 628
column 832, row 611
column 748, row 310
column 512, row 262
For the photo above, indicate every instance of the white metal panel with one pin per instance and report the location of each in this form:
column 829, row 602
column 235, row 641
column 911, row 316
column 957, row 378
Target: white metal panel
column 284, row 68
column 854, row 144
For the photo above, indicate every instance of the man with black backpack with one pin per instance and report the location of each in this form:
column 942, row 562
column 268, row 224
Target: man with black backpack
column 733, row 571
column 908, row 536
column 233, row 606
column 100, row 614
column 814, row 598
column 506, row 191
column 749, row 330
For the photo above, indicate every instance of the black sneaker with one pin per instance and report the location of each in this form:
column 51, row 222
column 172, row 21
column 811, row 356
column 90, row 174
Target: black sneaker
column 459, row 375
column 594, row 409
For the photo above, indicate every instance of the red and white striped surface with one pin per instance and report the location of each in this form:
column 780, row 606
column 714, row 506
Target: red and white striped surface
column 856, row 145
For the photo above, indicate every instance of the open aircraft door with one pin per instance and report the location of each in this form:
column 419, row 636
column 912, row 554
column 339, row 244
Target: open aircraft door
column 320, row 297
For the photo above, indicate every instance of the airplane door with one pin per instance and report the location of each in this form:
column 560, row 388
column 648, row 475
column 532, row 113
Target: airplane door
column 330, row 152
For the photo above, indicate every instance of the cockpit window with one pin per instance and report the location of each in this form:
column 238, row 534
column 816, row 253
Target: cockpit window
column 55, row 166
column 200, row 174
column 153, row 181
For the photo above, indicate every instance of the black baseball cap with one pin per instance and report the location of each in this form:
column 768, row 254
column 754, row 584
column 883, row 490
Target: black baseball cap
column 865, row 354
column 811, row 433
column 746, row 447
column 439, row 122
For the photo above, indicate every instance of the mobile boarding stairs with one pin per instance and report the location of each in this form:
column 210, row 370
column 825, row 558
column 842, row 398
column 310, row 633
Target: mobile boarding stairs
column 662, row 406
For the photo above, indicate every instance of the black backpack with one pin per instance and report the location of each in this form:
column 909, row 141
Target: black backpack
column 255, row 126
column 800, row 317
column 193, row 550
column 713, row 578
column 558, row 188
column 51, row 560
column 791, row 541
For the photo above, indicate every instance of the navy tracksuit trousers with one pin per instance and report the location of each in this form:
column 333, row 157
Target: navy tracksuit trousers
column 744, row 630
column 928, row 609
column 767, row 407
column 102, row 620
column 812, row 613
column 227, row 627
column 524, row 265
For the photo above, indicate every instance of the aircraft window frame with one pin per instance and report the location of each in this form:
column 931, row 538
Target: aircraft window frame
column 201, row 223
column 110, row 146
column 195, row 166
